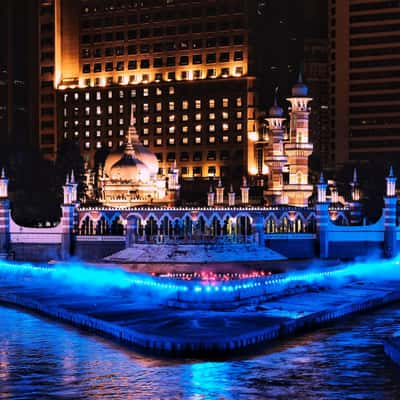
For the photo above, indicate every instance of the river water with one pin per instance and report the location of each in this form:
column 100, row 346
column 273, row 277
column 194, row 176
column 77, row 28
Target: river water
column 42, row 359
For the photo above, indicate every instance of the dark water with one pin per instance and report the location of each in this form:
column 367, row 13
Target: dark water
column 40, row 359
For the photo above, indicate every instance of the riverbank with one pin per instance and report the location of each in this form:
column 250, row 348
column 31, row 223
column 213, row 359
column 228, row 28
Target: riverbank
column 146, row 325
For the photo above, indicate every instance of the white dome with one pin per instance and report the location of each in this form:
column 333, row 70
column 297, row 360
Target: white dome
column 111, row 159
column 130, row 169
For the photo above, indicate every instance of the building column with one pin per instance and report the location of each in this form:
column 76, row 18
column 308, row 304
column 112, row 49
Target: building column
column 322, row 214
column 390, row 216
column 5, row 212
column 131, row 231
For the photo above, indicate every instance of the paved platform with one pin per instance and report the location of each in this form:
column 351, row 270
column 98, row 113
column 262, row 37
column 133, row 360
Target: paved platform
column 197, row 253
column 144, row 323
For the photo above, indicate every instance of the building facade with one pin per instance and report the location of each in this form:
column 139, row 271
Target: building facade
column 364, row 79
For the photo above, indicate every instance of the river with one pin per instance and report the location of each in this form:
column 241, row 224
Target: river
column 42, row 359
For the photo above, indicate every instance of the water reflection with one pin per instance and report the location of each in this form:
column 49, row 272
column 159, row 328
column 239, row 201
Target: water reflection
column 40, row 359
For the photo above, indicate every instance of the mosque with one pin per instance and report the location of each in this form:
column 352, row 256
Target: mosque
column 130, row 177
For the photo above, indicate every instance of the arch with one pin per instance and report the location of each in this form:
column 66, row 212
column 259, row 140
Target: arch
column 86, row 226
column 117, row 226
column 243, row 224
column 151, row 226
column 102, row 226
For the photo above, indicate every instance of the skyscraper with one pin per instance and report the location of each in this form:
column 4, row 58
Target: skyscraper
column 365, row 72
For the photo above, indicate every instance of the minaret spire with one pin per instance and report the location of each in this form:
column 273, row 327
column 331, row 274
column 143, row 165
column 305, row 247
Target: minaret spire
column 355, row 177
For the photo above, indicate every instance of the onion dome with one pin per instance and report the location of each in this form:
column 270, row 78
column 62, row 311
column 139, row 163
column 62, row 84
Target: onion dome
column 133, row 143
column 300, row 89
column 275, row 110
column 130, row 169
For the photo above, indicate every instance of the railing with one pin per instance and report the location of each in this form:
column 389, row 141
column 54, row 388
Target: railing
column 198, row 239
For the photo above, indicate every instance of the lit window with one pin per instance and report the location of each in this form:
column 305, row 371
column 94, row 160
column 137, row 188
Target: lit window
column 158, row 92
column 185, row 129
column 121, row 132
column 145, row 131
column 198, row 104
column 211, row 128
column 98, row 133
column 185, row 105
column 109, row 94
column 197, row 116
column 98, row 95
column 145, row 142
column 120, row 143
column 65, row 124
column 238, row 102
column 76, row 96
column 121, row 109
column 98, row 110
column 239, row 138
column 87, row 134
column 109, row 121
column 225, row 139
column 133, row 93
column 171, row 106
column 239, row 115
column 185, row 117
column 225, row 115
column 225, row 102
column 159, row 130
column 145, row 92
column 211, row 103
column 185, row 140
column 158, row 142
column 87, row 96
column 109, row 109
column 225, row 127
column 87, row 122
column 158, row 106
column 211, row 116
column 198, row 128
column 158, row 119
column 171, row 118
column 197, row 140
column 76, row 133
column 171, row 129
column 87, row 145
column 145, row 107
column 171, row 141
column 110, row 144
column 171, row 90
column 121, row 121
column 98, row 122
column 121, row 94
column 239, row 126
column 98, row 145
column 65, row 135
column 109, row 132
column 211, row 139
column 146, row 119
column 66, row 97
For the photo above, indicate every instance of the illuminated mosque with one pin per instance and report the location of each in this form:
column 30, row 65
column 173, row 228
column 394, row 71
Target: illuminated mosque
column 130, row 177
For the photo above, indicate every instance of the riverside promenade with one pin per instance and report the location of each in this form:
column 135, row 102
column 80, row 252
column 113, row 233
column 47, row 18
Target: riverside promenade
column 147, row 324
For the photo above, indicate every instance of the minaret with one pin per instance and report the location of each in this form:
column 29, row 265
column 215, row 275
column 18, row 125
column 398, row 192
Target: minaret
column 244, row 191
column 74, row 188
column 334, row 194
column 5, row 215
column 298, row 148
column 220, row 193
column 231, row 197
column 275, row 157
column 67, row 217
column 173, row 183
column 390, row 216
column 210, row 197
column 355, row 203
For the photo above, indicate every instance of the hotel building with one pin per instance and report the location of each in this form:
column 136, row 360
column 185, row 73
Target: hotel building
column 364, row 79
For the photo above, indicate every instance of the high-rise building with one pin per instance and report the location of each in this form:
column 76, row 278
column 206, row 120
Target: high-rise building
column 18, row 92
column 365, row 79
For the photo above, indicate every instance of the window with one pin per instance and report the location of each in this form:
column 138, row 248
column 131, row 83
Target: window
column 86, row 68
column 171, row 106
column 239, row 138
column 197, row 116
column 132, row 64
column 159, row 106
column 145, row 63
column 170, row 61
column 171, row 141
column 225, row 139
column 158, row 142
column 197, row 59
column 225, row 72
column 225, row 115
column 171, row 76
column 197, row 156
column 239, row 102
column 211, row 139
column 197, row 104
column 198, row 128
column 184, row 60
column 197, row 140
column 225, row 127
column 171, row 156
column 158, row 62
column 185, row 140
column 185, row 117
column 197, row 171
column 211, row 58
column 184, row 156
column 211, row 73
column 185, row 105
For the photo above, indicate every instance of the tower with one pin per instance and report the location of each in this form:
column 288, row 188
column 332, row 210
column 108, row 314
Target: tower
column 298, row 148
column 275, row 157
column 4, row 215
column 355, row 203
column 220, row 193
column 210, row 197
column 390, row 216
column 231, row 197
column 244, row 191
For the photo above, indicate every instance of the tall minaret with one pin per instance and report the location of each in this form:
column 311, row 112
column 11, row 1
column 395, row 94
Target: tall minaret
column 355, row 204
column 298, row 148
column 275, row 157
